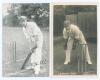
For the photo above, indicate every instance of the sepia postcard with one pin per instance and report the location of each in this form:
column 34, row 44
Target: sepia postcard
column 74, row 39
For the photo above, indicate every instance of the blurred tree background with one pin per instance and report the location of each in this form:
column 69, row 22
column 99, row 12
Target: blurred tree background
column 36, row 12
column 82, row 15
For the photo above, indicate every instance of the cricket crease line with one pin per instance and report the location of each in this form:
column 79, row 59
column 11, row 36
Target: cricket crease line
column 19, row 59
column 16, row 61
column 16, row 72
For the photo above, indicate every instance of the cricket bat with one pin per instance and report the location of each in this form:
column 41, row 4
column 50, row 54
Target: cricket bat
column 28, row 57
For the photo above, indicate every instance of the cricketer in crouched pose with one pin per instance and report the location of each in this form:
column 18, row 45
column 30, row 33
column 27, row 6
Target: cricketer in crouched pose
column 70, row 33
column 34, row 35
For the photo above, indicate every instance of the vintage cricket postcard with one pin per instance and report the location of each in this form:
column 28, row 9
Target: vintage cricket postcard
column 25, row 39
column 52, row 39
column 74, row 39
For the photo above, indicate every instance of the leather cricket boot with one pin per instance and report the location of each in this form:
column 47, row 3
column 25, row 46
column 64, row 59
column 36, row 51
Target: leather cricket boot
column 37, row 69
column 66, row 62
column 89, row 62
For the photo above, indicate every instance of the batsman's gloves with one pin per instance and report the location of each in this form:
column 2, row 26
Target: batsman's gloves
column 32, row 49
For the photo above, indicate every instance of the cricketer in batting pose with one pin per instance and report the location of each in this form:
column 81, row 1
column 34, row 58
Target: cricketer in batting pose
column 34, row 35
column 70, row 33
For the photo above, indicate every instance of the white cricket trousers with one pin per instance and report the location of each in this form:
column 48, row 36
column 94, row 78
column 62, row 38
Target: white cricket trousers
column 69, row 49
column 37, row 54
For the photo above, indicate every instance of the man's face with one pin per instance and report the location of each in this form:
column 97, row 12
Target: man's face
column 66, row 24
column 23, row 22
